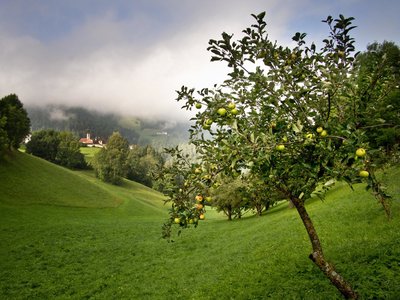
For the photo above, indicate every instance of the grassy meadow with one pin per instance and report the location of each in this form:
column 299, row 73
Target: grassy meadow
column 89, row 153
column 65, row 235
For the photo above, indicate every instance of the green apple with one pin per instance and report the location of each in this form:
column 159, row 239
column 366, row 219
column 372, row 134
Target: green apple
column 324, row 133
column 361, row 152
column 231, row 105
column 177, row 220
column 309, row 136
column 221, row 111
column 280, row 147
column 198, row 105
column 208, row 199
column 197, row 171
column 364, row 173
column 234, row 111
column 209, row 122
column 319, row 129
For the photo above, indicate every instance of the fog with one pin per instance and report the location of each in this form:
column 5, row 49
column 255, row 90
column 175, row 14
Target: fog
column 130, row 56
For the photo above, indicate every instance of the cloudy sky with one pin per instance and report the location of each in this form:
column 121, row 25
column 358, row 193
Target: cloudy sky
column 131, row 55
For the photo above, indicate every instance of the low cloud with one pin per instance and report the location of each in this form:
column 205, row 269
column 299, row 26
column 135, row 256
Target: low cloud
column 132, row 64
column 58, row 114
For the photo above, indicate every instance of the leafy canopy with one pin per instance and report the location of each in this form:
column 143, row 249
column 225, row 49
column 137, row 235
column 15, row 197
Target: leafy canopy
column 14, row 122
column 287, row 116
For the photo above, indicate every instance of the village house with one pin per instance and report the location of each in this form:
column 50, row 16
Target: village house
column 92, row 142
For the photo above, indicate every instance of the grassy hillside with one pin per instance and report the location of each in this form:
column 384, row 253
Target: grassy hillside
column 66, row 252
column 26, row 179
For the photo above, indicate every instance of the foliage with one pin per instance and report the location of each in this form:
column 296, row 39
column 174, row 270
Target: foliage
column 44, row 144
column 229, row 196
column 143, row 162
column 110, row 163
column 3, row 135
column 259, row 195
column 58, row 147
column 292, row 122
column 378, row 72
column 287, row 116
column 14, row 122
column 68, row 152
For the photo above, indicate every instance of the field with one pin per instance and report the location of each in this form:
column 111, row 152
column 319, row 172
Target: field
column 65, row 235
column 89, row 153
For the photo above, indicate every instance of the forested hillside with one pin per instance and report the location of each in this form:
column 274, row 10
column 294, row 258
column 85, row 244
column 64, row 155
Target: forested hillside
column 158, row 133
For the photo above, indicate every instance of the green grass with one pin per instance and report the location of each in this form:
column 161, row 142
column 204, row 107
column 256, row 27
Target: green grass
column 89, row 153
column 25, row 180
column 63, row 250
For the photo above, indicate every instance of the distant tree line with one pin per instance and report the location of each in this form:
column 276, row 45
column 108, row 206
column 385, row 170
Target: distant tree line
column 14, row 123
column 80, row 120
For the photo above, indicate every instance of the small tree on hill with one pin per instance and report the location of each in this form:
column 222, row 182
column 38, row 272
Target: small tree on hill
column 68, row 151
column 286, row 115
column 260, row 195
column 110, row 163
column 229, row 196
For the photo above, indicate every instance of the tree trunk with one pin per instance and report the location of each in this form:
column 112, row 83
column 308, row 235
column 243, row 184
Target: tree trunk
column 267, row 205
column 228, row 212
column 317, row 255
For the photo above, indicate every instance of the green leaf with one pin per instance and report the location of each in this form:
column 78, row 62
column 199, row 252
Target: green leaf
column 235, row 125
column 252, row 139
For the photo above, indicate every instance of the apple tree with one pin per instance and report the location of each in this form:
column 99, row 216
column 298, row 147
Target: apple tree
column 229, row 196
column 285, row 115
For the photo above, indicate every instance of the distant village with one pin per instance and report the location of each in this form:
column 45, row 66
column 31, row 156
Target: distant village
column 97, row 142
column 89, row 142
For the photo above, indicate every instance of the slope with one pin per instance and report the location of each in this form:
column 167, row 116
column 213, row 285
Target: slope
column 64, row 252
column 25, row 179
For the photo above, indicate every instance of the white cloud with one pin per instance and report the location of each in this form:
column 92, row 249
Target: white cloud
column 135, row 64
